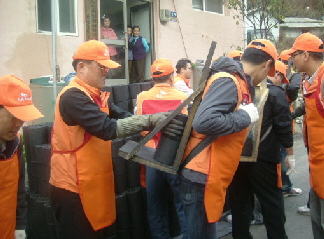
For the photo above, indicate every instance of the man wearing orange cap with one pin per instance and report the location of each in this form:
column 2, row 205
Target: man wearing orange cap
column 307, row 56
column 182, row 79
column 163, row 97
column 82, row 180
column 16, row 107
column 257, row 173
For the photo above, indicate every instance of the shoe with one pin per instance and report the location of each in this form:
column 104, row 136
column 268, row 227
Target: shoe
column 292, row 192
column 229, row 218
column 304, row 210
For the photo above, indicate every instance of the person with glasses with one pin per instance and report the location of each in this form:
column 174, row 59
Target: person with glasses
column 182, row 79
column 307, row 56
column 260, row 175
column 82, row 180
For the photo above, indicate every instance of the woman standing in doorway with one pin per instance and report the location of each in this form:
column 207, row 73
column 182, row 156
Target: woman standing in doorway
column 140, row 48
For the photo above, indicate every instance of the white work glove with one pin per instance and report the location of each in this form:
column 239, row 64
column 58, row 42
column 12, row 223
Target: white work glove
column 20, row 234
column 251, row 110
column 290, row 162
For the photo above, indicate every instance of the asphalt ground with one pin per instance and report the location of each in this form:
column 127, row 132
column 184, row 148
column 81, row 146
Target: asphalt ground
column 297, row 226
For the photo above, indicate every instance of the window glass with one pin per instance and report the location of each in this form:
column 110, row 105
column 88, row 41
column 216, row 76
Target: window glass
column 44, row 15
column 198, row 4
column 214, row 6
column 66, row 16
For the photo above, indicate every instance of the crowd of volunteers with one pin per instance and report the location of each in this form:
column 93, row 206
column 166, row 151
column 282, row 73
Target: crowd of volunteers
column 241, row 133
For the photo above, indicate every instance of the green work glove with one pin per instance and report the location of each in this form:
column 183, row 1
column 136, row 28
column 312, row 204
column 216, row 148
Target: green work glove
column 138, row 123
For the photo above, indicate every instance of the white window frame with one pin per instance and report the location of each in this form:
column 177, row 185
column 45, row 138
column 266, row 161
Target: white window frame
column 205, row 10
column 76, row 33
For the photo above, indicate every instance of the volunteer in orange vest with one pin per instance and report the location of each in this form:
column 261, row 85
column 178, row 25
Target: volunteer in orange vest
column 225, row 111
column 262, row 176
column 82, row 180
column 182, row 79
column 163, row 97
column 307, row 56
column 16, row 107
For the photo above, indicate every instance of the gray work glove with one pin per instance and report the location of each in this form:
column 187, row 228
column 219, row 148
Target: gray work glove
column 138, row 123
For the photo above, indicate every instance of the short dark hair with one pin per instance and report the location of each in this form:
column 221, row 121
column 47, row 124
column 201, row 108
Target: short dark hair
column 182, row 63
column 136, row 27
column 317, row 56
column 76, row 62
column 256, row 56
column 161, row 79
column 129, row 26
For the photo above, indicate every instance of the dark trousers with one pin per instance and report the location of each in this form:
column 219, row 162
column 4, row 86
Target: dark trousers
column 69, row 213
column 138, row 71
column 261, row 179
column 158, row 184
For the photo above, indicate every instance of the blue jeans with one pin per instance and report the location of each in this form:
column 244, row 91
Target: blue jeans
column 192, row 195
column 158, row 185
column 286, row 183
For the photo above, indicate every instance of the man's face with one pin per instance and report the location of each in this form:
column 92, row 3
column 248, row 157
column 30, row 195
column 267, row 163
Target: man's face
column 277, row 79
column 9, row 125
column 298, row 59
column 187, row 72
column 95, row 74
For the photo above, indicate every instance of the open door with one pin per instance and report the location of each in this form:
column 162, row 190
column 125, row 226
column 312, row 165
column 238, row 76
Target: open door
column 140, row 16
column 113, row 32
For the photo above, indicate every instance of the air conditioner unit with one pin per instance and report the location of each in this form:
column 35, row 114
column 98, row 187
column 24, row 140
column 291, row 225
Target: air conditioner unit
column 164, row 15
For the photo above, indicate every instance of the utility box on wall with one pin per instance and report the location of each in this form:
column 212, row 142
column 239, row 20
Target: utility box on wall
column 164, row 15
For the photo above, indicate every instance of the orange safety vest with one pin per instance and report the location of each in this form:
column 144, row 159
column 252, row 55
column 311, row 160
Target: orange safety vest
column 9, row 177
column 161, row 98
column 314, row 128
column 82, row 163
column 220, row 159
column 180, row 78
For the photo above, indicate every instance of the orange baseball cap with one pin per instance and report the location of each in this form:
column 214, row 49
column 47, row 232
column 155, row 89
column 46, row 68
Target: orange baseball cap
column 94, row 50
column 235, row 53
column 284, row 55
column 268, row 47
column 16, row 97
column 161, row 67
column 307, row 42
column 282, row 68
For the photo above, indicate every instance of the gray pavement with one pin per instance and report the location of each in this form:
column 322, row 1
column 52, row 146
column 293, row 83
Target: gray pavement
column 297, row 226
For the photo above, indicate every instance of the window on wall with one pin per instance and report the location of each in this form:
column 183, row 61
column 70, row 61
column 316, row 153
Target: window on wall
column 66, row 16
column 208, row 5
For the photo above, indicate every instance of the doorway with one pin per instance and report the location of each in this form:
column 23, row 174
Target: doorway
column 120, row 14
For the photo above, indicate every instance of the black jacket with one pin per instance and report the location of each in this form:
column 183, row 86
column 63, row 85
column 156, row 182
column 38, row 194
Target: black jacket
column 277, row 117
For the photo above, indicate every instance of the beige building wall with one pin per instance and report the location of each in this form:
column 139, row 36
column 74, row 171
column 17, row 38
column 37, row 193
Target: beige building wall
column 192, row 34
column 26, row 53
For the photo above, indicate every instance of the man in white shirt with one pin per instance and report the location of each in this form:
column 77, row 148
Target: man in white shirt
column 184, row 72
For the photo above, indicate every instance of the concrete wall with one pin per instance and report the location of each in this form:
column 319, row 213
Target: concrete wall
column 192, row 34
column 26, row 53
